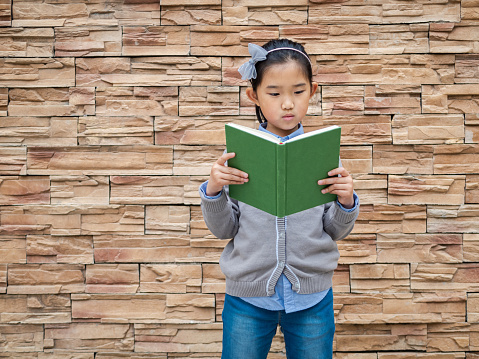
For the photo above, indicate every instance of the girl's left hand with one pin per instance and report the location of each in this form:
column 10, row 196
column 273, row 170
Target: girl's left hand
column 340, row 186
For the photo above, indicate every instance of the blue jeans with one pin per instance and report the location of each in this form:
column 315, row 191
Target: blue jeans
column 248, row 330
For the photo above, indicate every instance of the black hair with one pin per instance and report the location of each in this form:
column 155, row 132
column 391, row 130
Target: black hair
column 280, row 57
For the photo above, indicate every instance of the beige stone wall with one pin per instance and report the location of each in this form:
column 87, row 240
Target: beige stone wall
column 111, row 113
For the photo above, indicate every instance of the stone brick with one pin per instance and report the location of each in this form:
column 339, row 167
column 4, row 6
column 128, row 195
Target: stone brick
column 35, row 309
column 428, row 129
column 178, row 338
column 144, row 308
column 472, row 128
column 209, row 101
column 208, row 130
column 72, row 220
column 419, row 248
column 453, row 219
column 156, row 40
column 469, row 10
column 167, row 219
column 384, row 278
column 416, row 69
column 116, row 355
column 450, row 98
column 137, row 101
column 97, row 160
column 149, row 71
column 393, row 308
column 467, row 69
column 95, row 130
column 381, row 337
column 45, row 278
column 112, row 278
column 39, row 131
column 456, row 159
column 12, row 249
column 357, row 159
column 195, row 160
column 191, row 14
column 91, row 337
column 247, row 12
column 79, row 189
column 371, row 189
column 3, row 279
column 448, row 337
column 403, row 159
column 19, row 190
column 441, row 190
column 170, row 278
column 355, row 129
column 392, row 99
column 3, row 102
column 343, row 100
column 21, row 338
column 444, row 277
column 5, row 12
column 148, row 189
column 391, row 219
column 471, row 247
column 418, row 355
column 341, row 279
column 50, row 102
column 330, row 39
column 223, row 40
column 13, row 160
column 213, row 279
column 384, row 12
column 459, row 38
column 472, row 189
column 399, row 39
column 358, row 248
column 59, row 249
column 90, row 40
column 26, row 42
column 152, row 249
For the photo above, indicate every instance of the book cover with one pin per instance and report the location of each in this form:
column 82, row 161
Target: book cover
column 282, row 176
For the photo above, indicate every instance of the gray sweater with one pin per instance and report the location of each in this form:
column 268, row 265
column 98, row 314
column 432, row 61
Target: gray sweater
column 302, row 245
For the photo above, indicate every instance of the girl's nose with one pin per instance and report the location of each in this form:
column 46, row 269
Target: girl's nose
column 287, row 104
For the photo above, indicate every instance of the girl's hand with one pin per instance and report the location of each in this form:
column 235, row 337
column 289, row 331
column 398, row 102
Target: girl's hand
column 222, row 175
column 340, row 186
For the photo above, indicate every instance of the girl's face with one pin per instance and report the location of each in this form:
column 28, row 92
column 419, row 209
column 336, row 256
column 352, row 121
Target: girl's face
column 283, row 96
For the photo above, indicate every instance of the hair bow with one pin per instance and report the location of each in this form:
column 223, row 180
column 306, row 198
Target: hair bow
column 248, row 69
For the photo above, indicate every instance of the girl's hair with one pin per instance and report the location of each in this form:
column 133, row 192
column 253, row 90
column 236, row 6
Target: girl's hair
column 280, row 57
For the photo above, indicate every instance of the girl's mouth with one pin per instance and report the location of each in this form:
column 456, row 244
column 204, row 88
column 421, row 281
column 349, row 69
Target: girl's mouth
column 288, row 117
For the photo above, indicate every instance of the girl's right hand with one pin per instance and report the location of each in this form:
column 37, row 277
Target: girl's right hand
column 222, row 175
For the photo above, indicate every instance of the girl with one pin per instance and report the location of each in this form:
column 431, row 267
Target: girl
column 278, row 270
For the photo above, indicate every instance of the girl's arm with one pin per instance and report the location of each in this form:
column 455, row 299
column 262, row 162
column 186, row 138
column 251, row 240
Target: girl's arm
column 337, row 221
column 220, row 212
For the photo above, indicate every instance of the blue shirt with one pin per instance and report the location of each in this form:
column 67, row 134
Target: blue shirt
column 284, row 298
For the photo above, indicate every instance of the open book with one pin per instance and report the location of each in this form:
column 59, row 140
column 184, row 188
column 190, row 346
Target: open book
column 283, row 177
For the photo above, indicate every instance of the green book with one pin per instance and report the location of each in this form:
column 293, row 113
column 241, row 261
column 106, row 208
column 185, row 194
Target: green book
column 283, row 177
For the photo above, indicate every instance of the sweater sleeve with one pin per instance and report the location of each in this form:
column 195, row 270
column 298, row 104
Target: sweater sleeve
column 221, row 214
column 337, row 222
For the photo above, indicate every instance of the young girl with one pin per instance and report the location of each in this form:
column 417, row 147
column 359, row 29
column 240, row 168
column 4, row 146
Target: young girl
column 278, row 270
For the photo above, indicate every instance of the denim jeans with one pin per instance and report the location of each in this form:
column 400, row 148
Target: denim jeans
column 248, row 330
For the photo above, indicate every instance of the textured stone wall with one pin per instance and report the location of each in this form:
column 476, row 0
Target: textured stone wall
column 112, row 112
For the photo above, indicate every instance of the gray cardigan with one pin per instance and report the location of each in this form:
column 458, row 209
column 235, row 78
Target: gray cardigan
column 302, row 245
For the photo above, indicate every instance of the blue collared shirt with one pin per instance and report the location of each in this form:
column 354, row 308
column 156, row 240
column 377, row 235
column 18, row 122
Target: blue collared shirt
column 284, row 298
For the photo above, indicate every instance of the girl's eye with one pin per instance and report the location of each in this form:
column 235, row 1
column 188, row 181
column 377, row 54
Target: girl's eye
column 274, row 94
column 299, row 92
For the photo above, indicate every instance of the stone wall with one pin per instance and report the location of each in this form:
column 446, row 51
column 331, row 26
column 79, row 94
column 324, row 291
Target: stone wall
column 112, row 112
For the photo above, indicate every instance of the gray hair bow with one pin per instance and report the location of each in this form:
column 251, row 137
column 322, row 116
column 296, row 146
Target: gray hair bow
column 248, row 69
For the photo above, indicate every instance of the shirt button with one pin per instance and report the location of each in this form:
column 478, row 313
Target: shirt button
column 281, row 264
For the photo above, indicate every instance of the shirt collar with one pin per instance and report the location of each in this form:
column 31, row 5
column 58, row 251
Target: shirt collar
column 299, row 131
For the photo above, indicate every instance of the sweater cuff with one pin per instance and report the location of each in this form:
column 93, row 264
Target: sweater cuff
column 341, row 216
column 214, row 204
